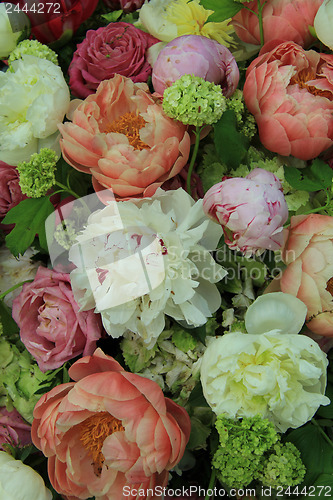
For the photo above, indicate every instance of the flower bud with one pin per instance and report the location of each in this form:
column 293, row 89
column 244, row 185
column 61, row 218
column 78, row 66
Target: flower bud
column 11, row 26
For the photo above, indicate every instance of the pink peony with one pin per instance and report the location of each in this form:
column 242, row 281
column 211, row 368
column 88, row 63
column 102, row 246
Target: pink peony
column 199, row 56
column 290, row 93
column 117, row 48
column 251, row 211
column 108, row 430
column 10, row 191
column 121, row 136
column 308, row 254
column 51, row 326
column 282, row 20
column 13, row 430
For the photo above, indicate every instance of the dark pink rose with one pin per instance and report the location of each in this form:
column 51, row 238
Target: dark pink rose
column 13, row 429
column 10, row 191
column 119, row 48
column 126, row 5
column 51, row 326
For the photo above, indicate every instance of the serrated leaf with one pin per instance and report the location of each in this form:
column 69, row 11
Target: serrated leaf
column 230, row 144
column 223, row 9
column 29, row 218
column 313, row 178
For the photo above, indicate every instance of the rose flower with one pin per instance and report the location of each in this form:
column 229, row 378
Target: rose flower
column 121, row 136
column 107, row 431
column 51, row 326
column 10, row 191
column 290, row 93
column 13, row 429
column 117, row 48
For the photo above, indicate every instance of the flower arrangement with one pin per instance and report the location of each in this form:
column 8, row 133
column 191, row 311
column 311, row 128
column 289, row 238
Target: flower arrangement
column 166, row 253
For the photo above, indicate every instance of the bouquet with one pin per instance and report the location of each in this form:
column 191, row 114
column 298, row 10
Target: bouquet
column 166, row 284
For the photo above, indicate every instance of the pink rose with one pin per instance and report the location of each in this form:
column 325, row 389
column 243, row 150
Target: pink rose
column 251, row 211
column 117, row 48
column 125, row 5
column 10, row 190
column 121, row 136
column 107, row 431
column 308, row 253
column 290, row 93
column 199, row 56
column 13, row 429
column 282, row 20
column 51, row 326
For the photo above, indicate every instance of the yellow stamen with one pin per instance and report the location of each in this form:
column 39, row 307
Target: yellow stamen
column 305, row 76
column 130, row 125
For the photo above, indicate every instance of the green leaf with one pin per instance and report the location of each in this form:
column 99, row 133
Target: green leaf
column 316, row 453
column 9, row 325
column 313, row 178
column 327, row 411
column 29, row 218
column 199, row 434
column 223, row 9
column 112, row 17
column 325, row 481
column 230, row 144
column 197, row 399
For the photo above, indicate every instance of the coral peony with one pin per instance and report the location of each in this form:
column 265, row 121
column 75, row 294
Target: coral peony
column 123, row 138
column 197, row 56
column 51, row 326
column 108, row 432
column 308, row 253
column 13, row 429
column 290, row 92
column 251, row 210
column 282, row 20
column 117, row 48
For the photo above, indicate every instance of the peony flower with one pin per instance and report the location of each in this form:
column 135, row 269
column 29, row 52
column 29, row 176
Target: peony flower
column 13, row 430
column 169, row 19
column 282, row 20
column 107, row 431
column 51, row 326
column 33, row 100
column 308, row 254
column 274, row 373
column 10, row 191
column 117, row 48
column 9, row 36
column 323, row 23
column 289, row 91
column 197, row 56
column 147, row 261
column 14, row 270
column 19, row 481
column 251, row 211
column 56, row 21
column 123, row 138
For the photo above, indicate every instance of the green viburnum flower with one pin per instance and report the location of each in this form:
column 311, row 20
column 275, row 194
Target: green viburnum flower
column 37, row 175
column 246, row 123
column 65, row 234
column 193, row 101
column 173, row 362
column 250, row 449
column 33, row 48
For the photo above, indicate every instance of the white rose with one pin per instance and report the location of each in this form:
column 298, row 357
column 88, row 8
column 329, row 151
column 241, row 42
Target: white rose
column 19, row 481
column 323, row 23
column 33, row 100
column 10, row 30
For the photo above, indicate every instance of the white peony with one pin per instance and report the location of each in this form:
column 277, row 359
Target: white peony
column 19, row 481
column 323, row 23
column 10, row 28
column 33, row 100
column 280, row 375
column 138, row 262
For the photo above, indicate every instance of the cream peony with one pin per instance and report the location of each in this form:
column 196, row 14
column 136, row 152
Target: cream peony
column 33, row 100
column 280, row 375
column 138, row 262
column 19, row 481
column 323, row 23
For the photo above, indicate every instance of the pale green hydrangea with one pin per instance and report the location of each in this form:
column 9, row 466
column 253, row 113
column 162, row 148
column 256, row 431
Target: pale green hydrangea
column 37, row 175
column 173, row 362
column 33, row 48
column 193, row 101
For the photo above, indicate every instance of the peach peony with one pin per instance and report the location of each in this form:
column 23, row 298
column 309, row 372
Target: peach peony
column 121, row 136
column 290, row 93
column 107, row 431
column 282, row 19
column 308, row 253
